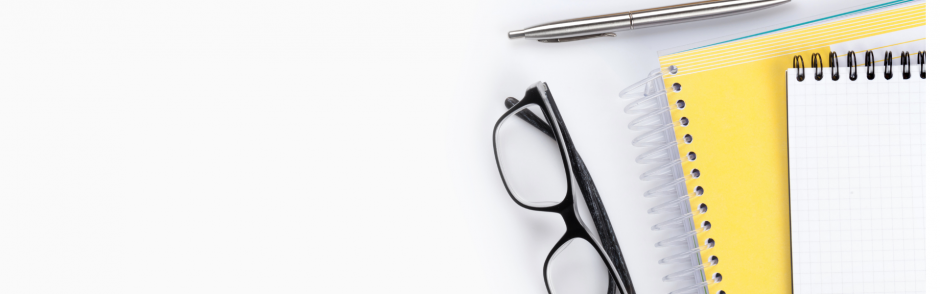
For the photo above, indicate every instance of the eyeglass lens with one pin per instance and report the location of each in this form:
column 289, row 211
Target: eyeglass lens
column 577, row 269
column 530, row 160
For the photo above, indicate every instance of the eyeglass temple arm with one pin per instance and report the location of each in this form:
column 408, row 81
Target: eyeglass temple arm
column 595, row 206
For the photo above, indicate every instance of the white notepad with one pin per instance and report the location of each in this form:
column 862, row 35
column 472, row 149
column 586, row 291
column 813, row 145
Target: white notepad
column 857, row 184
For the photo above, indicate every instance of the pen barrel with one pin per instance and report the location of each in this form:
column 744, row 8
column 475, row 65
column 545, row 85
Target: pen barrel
column 576, row 27
column 697, row 11
column 605, row 25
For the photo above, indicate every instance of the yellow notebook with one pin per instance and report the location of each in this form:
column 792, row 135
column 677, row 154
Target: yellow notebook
column 715, row 116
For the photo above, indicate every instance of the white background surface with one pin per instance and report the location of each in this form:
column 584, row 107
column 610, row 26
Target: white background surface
column 293, row 147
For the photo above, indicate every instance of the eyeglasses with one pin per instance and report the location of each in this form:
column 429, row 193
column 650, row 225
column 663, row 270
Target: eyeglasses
column 542, row 173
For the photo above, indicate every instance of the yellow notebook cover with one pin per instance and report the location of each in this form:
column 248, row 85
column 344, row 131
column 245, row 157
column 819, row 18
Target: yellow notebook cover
column 735, row 102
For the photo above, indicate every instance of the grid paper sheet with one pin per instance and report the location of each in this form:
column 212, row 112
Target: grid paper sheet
column 857, row 182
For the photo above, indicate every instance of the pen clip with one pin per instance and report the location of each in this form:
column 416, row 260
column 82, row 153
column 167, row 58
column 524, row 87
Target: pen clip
column 578, row 38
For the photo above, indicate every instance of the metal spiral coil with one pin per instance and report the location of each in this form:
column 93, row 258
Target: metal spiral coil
column 888, row 65
column 852, row 64
column 905, row 65
column 816, row 61
column 800, row 69
column 922, row 61
column 834, row 65
column 870, row 64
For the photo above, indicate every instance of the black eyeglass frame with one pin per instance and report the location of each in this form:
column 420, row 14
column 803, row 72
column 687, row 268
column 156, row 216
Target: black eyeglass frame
column 539, row 94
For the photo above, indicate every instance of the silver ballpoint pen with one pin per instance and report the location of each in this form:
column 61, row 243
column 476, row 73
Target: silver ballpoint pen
column 606, row 25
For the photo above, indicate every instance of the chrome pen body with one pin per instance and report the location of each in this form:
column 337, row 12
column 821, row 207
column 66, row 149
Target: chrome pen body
column 606, row 25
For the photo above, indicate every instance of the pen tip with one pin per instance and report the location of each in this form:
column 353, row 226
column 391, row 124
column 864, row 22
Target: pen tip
column 516, row 35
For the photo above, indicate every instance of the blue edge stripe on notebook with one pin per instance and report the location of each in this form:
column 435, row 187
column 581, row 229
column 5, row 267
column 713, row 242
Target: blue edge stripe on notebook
column 879, row 6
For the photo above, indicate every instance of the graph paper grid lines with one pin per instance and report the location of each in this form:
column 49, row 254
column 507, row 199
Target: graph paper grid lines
column 857, row 156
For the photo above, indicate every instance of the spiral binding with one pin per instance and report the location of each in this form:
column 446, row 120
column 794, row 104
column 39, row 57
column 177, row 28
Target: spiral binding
column 834, row 65
column 922, row 60
column 870, row 63
column 655, row 117
column 851, row 61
